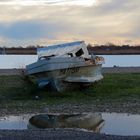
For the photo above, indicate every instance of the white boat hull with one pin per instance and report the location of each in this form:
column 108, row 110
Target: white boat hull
column 69, row 78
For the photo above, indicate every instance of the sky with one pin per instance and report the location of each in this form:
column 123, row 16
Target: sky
column 45, row 22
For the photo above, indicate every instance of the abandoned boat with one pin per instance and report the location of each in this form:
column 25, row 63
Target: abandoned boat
column 65, row 66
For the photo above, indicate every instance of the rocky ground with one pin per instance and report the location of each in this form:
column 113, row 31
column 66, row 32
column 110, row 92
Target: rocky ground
column 58, row 134
column 131, row 106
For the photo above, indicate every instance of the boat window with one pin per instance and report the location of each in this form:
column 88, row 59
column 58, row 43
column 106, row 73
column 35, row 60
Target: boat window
column 70, row 54
column 79, row 53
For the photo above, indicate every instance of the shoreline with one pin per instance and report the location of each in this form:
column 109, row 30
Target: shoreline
column 16, row 71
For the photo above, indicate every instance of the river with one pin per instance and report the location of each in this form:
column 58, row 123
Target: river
column 20, row 61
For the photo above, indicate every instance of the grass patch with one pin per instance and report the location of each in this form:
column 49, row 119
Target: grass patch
column 112, row 87
column 16, row 87
column 118, row 85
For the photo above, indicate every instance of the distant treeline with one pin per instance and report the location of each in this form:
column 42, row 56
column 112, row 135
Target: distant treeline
column 96, row 49
column 19, row 50
column 112, row 46
column 113, row 49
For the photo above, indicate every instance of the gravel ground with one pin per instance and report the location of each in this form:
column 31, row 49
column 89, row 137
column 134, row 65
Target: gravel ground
column 119, row 107
column 129, row 105
column 58, row 134
column 121, row 70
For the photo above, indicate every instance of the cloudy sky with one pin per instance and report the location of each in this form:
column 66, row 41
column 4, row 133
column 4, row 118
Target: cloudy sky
column 42, row 22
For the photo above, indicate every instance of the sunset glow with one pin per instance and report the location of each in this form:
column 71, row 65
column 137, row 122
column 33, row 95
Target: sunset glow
column 31, row 22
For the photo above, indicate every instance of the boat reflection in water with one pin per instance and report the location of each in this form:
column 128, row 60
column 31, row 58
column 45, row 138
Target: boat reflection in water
column 91, row 121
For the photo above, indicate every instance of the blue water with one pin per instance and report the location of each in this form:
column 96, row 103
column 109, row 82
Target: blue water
column 20, row 61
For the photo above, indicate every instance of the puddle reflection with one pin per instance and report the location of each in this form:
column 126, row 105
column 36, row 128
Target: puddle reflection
column 114, row 123
column 91, row 121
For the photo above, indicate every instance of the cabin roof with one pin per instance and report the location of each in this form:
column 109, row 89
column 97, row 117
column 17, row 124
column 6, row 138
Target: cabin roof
column 67, row 45
column 59, row 49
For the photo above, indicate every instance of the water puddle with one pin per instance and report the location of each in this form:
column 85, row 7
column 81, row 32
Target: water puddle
column 121, row 124
column 108, row 123
column 14, row 122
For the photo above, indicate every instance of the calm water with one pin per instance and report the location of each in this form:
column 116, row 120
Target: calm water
column 121, row 124
column 116, row 124
column 14, row 122
column 16, row 61
column 122, row 60
column 20, row 61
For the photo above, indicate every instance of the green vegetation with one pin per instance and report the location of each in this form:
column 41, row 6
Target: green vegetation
column 112, row 87
column 15, row 87
column 116, row 91
column 117, row 86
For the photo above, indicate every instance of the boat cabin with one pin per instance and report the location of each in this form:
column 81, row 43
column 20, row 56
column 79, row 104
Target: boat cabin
column 73, row 49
